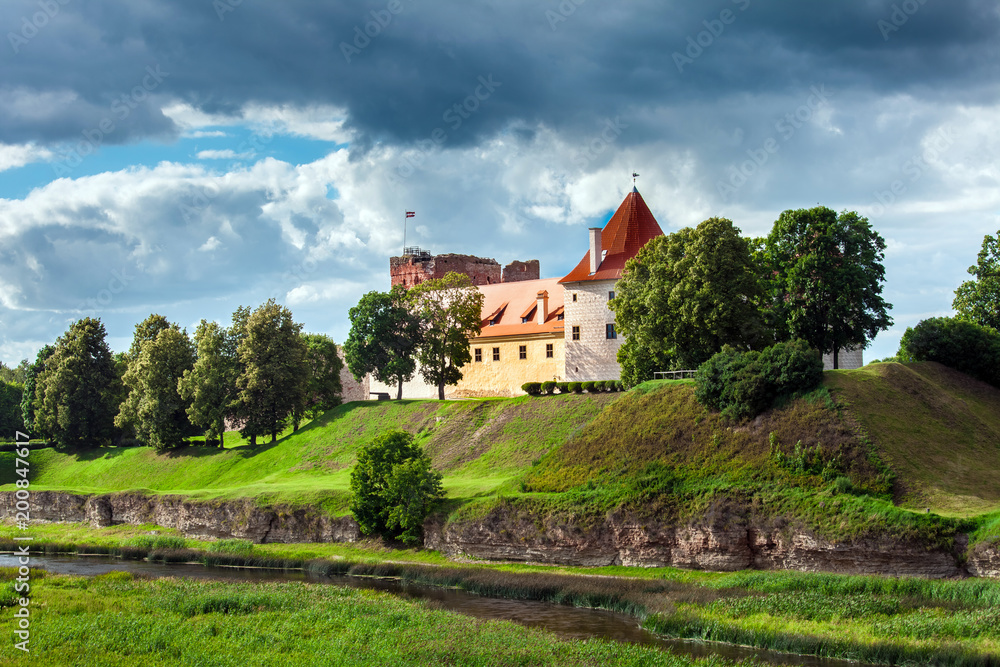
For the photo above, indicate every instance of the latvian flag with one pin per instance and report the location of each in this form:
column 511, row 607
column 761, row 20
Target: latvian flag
column 410, row 214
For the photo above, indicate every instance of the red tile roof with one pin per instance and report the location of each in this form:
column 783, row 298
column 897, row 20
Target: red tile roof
column 509, row 302
column 630, row 228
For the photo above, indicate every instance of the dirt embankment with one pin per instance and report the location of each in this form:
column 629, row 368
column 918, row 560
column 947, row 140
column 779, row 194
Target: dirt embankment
column 720, row 543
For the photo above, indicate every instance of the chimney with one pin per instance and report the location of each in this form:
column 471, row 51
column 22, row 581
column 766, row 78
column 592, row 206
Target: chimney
column 543, row 306
column 595, row 249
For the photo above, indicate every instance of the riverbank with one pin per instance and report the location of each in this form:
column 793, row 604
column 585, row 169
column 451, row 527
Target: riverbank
column 871, row 619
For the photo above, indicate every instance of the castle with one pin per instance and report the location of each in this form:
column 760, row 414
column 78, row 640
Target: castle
column 536, row 329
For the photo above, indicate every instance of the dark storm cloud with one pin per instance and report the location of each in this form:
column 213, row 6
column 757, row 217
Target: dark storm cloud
column 563, row 64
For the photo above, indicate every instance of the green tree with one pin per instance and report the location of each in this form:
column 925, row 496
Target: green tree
column 209, row 386
column 147, row 330
column 971, row 348
column 16, row 375
column 827, row 277
column 393, row 488
column 30, row 382
column 978, row 300
column 450, row 311
column 11, row 420
column 273, row 376
column 74, row 402
column 683, row 297
column 384, row 338
column 154, row 409
column 323, row 387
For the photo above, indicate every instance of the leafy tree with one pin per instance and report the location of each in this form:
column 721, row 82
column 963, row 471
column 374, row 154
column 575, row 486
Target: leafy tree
column 323, row 366
column 16, row 375
column 965, row 346
column 209, row 386
column 384, row 338
column 147, row 330
column 450, row 311
column 827, row 277
column 273, row 377
column 393, row 488
column 10, row 409
column 978, row 300
column 154, row 408
column 74, row 402
column 683, row 297
column 30, row 382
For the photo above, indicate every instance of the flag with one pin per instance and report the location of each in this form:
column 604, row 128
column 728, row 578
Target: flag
column 410, row 214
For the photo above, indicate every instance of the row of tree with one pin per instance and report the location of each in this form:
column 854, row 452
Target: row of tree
column 260, row 374
column 817, row 277
column 431, row 323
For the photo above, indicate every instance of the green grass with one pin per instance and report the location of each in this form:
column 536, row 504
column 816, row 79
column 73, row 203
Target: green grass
column 119, row 620
column 479, row 445
column 938, row 428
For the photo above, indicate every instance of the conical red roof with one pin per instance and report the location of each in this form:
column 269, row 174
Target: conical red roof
column 630, row 228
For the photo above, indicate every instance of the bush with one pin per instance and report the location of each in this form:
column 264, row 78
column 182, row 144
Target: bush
column 576, row 387
column 970, row 348
column 619, row 386
column 589, row 387
column 549, row 387
column 393, row 488
column 532, row 388
column 610, row 385
column 743, row 384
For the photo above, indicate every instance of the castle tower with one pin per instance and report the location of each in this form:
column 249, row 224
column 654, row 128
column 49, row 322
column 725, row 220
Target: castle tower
column 592, row 343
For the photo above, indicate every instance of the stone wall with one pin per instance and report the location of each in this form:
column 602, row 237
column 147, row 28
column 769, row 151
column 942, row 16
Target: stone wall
column 410, row 270
column 846, row 359
column 517, row 271
column 505, row 377
column 351, row 389
column 594, row 356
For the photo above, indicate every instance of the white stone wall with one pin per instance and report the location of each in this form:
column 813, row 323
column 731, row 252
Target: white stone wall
column 847, row 359
column 594, row 356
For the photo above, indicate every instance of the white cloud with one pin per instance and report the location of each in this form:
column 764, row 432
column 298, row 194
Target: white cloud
column 319, row 122
column 13, row 156
column 226, row 154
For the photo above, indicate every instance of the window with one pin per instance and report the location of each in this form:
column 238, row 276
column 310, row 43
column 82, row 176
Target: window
column 611, row 331
column 479, row 354
column 611, row 295
column 496, row 354
column 548, row 351
column 574, row 296
column 560, row 317
column 522, row 351
column 576, row 333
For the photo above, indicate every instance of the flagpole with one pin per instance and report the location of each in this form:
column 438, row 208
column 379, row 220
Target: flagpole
column 404, row 231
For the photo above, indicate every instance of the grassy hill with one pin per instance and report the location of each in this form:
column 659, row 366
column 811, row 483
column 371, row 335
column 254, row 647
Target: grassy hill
column 871, row 450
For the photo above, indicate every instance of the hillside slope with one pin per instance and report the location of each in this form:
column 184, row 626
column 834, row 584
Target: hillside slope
column 479, row 445
column 939, row 430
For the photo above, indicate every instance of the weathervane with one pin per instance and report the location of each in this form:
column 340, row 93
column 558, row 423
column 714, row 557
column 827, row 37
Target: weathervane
column 634, row 176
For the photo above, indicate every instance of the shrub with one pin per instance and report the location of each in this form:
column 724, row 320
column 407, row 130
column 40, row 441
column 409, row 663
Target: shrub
column 563, row 387
column 589, row 387
column 549, row 387
column 610, row 385
column 970, row 348
column 744, row 384
column 576, row 387
column 619, row 386
column 393, row 487
column 532, row 388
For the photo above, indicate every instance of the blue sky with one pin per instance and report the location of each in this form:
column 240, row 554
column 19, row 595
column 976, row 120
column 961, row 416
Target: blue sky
column 186, row 157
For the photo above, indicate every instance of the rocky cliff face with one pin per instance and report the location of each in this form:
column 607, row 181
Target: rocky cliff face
column 718, row 545
column 721, row 542
column 200, row 520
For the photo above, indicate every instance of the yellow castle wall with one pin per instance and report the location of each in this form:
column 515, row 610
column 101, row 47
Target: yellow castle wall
column 505, row 377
